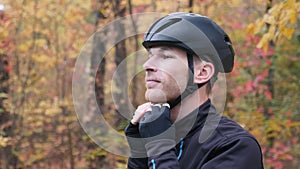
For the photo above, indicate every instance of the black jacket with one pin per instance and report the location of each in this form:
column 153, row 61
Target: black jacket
column 206, row 140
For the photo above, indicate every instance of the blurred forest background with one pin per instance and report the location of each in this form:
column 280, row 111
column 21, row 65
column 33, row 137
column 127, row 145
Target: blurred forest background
column 40, row 41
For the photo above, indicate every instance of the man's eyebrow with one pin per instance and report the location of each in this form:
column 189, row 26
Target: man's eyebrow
column 164, row 48
column 161, row 49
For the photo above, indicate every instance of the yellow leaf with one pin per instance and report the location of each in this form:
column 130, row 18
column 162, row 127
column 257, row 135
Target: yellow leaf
column 40, row 58
column 289, row 3
column 293, row 16
column 276, row 10
column 294, row 124
column 264, row 42
column 41, row 42
column 3, row 141
column 297, row 6
column 3, row 33
column 52, row 112
column 281, row 27
column 258, row 26
column 250, row 29
column 288, row 32
column 272, row 30
column 269, row 19
column 23, row 47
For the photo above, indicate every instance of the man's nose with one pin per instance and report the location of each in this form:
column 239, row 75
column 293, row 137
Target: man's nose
column 150, row 65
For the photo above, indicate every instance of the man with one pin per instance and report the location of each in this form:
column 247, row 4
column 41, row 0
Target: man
column 179, row 128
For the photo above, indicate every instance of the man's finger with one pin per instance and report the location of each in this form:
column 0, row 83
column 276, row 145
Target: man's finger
column 139, row 113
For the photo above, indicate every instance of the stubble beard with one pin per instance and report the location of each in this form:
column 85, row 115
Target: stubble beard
column 161, row 95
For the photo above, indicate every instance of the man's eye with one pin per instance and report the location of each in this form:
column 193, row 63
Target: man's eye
column 167, row 56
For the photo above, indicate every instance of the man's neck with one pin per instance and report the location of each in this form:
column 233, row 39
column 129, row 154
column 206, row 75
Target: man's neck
column 188, row 104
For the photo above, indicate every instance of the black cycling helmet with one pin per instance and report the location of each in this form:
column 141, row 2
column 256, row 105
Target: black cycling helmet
column 194, row 33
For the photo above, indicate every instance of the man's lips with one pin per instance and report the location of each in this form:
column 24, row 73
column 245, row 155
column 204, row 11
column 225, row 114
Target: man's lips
column 152, row 82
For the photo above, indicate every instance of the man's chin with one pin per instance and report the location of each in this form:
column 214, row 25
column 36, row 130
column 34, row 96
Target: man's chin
column 156, row 96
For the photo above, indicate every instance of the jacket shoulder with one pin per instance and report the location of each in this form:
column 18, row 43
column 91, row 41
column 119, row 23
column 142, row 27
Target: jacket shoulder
column 230, row 146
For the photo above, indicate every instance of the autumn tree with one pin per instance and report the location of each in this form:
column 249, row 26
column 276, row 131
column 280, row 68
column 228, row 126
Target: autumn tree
column 41, row 40
column 266, row 71
column 7, row 158
column 45, row 45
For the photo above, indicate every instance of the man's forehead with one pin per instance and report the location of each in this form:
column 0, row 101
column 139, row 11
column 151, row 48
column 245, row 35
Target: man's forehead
column 159, row 49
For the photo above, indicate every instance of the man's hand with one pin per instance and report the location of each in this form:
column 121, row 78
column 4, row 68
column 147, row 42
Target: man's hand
column 134, row 139
column 139, row 113
column 151, row 128
column 155, row 121
column 157, row 130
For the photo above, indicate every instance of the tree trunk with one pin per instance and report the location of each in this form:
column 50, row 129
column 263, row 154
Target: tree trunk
column 134, row 88
column 270, row 84
column 271, row 43
column 120, row 96
column 191, row 5
column 98, row 48
column 7, row 158
column 271, row 70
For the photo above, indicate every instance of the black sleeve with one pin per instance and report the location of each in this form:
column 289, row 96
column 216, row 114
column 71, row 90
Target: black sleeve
column 166, row 160
column 242, row 153
column 137, row 163
column 137, row 149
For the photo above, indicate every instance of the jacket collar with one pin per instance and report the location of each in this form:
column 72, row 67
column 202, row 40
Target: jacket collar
column 193, row 121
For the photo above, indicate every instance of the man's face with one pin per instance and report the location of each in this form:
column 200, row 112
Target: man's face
column 166, row 73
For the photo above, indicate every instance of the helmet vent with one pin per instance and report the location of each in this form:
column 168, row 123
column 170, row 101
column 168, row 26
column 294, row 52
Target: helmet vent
column 227, row 40
column 171, row 22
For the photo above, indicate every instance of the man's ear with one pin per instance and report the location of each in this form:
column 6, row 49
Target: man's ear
column 203, row 71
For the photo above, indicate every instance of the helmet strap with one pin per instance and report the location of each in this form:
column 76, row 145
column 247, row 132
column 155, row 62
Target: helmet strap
column 191, row 86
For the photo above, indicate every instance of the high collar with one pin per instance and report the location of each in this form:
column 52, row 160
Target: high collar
column 193, row 121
